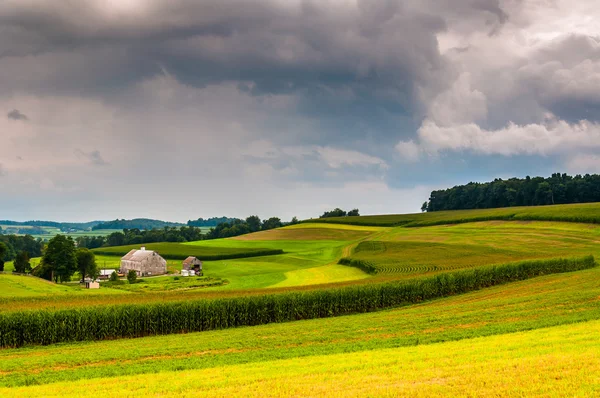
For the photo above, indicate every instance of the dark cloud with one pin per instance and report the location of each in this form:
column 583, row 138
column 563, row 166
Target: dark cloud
column 15, row 114
column 93, row 157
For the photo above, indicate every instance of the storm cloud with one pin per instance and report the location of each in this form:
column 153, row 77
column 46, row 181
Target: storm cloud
column 15, row 114
column 288, row 97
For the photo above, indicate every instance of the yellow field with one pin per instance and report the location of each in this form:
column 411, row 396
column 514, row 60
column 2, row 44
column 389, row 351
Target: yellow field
column 558, row 361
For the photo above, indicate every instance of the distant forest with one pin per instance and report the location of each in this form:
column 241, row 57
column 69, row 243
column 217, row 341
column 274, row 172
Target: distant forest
column 528, row 191
column 63, row 226
column 210, row 222
column 136, row 223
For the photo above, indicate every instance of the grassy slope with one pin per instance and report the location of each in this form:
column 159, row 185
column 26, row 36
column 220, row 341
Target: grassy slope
column 413, row 251
column 533, row 304
column 20, row 287
column 586, row 212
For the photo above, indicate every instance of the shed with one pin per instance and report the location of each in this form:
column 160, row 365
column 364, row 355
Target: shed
column 192, row 263
column 143, row 262
column 92, row 285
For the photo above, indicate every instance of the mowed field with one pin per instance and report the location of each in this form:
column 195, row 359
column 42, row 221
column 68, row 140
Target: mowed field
column 535, row 337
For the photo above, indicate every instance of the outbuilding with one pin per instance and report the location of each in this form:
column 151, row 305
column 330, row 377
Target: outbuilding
column 143, row 262
column 192, row 264
column 92, row 285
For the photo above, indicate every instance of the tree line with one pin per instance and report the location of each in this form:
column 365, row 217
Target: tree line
column 528, row 191
column 337, row 212
column 13, row 247
column 136, row 223
column 135, row 236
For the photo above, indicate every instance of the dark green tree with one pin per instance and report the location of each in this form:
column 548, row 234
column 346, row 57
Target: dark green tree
column 3, row 252
column 253, row 223
column 271, row 223
column 294, row 220
column 22, row 264
column 59, row 261
column 424, row 207
column 353, row 212
column 337, row 212
column 86, row 264
column 114, row 276
column 131, row 276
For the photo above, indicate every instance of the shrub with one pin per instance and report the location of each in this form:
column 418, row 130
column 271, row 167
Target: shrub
column 131, row 276
column 114, row 277
column 127, row 321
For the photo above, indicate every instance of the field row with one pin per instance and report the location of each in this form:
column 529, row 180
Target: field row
column 536, row 303
column 45, row 327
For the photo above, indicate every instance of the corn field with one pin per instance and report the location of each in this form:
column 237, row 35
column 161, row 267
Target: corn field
column 128, row 321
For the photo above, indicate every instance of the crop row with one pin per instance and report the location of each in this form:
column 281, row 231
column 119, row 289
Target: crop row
column 128, row 321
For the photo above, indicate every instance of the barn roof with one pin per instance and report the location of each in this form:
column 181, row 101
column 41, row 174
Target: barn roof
column 189, row 260
column 138, row 255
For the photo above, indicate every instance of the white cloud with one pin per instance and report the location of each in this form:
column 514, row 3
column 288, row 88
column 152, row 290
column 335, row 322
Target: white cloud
column 459, row 104
column 552, row 137
column 409, row 151
column 337, row 158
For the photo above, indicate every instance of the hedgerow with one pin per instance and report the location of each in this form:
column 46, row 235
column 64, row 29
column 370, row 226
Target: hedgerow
column 128, row 321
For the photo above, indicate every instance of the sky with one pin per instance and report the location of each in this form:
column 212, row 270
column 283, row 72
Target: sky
column 179, row 109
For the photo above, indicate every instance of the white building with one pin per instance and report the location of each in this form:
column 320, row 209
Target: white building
column 143, row 262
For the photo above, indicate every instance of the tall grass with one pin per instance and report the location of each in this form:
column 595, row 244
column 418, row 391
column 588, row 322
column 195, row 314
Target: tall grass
column 44, row 327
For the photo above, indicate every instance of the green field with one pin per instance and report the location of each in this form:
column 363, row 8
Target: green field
column 344, row 343
column 51, row 232
column 585, row 213
column 533, row 337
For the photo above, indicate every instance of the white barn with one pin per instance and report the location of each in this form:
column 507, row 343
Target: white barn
column 143, row 262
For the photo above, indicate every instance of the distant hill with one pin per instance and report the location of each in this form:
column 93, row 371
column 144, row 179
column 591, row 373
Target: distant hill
column 61, row 225
column 210, row 222
column 139, row 223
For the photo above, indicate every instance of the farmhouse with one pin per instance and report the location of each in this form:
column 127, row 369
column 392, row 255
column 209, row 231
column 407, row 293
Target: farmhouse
column 192, row 263
column 143, row 262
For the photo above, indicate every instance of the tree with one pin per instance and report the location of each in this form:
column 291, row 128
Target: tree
column 353, row 212
column 294, row 220
column 253, row 223
column 59, row 262
column 3, row 252
column 113, row 277
column 424, row 207
column 22, row 263
column 131, row 276
column 337, row 212
column 86, row 263
column 271, row 223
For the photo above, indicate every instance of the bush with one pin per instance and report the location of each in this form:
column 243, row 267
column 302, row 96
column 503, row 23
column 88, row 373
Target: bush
column 114, row 277
column 131, row 276
column 127, row 321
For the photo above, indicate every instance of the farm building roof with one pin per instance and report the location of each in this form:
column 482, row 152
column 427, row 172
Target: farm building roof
column 189, row 260
column 138, row 255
